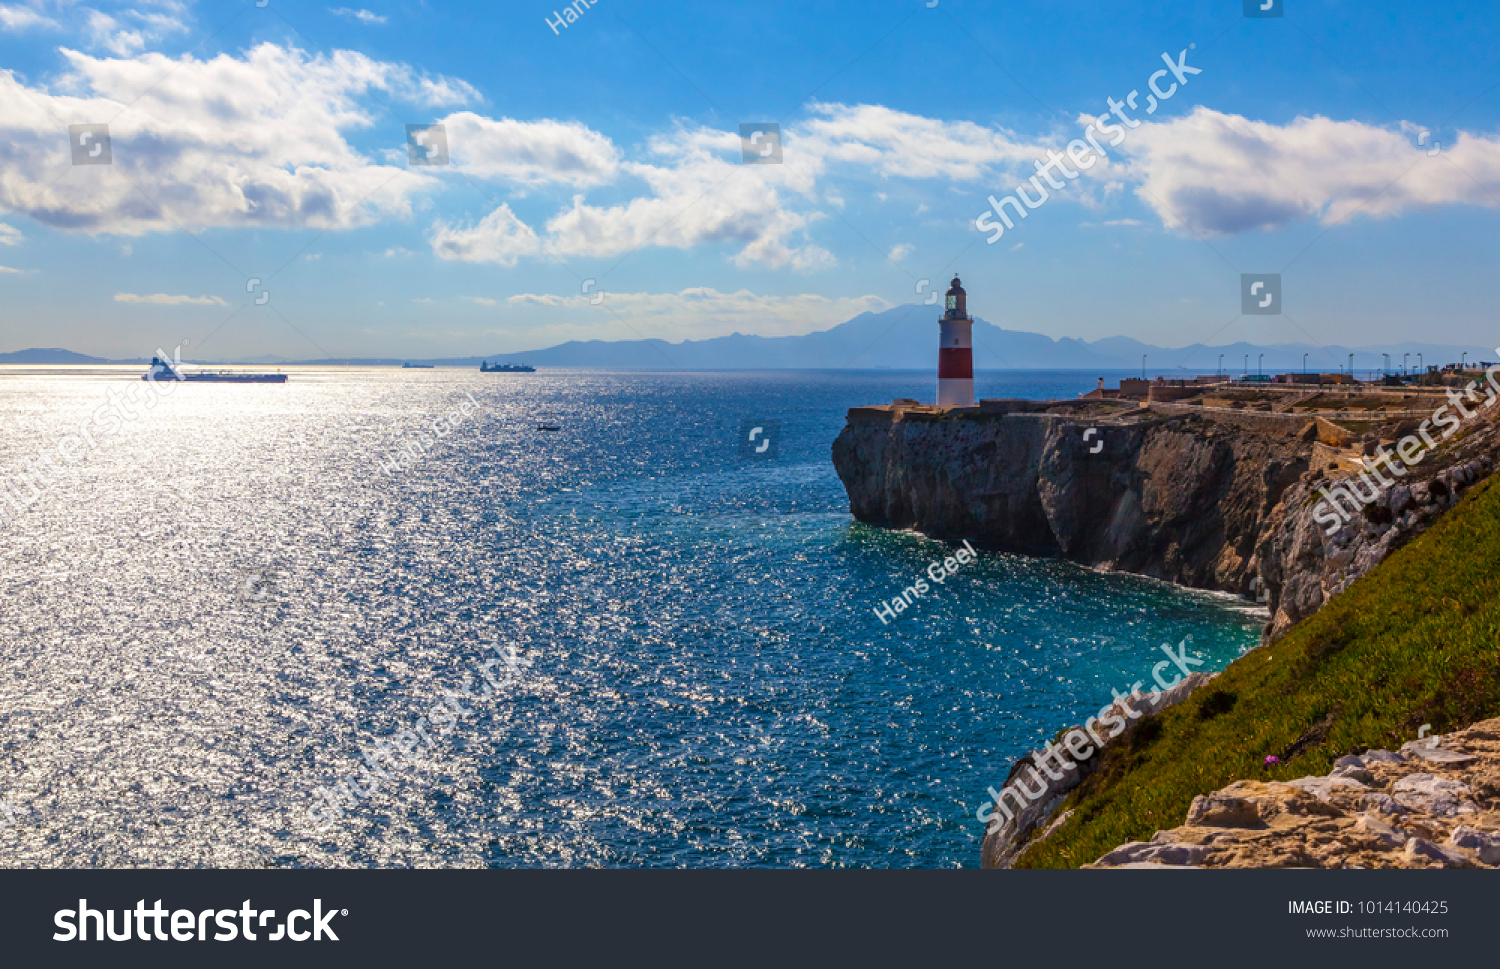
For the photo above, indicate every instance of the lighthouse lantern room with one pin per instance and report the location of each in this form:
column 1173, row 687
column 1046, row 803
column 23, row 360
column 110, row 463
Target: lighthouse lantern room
column 955, row 351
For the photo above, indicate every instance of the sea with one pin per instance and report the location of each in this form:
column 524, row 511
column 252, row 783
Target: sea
column 384, row 617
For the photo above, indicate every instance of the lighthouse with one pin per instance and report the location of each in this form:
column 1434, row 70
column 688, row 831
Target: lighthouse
column 955, row 352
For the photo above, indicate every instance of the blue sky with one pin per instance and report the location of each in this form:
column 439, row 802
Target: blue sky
column 268, row 143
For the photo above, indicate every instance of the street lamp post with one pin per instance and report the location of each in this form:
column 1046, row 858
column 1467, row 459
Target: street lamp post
column 1260, row 365
column 1405, row 358
column 1304, row 363
column 1462, row 361
column 1221, row 363
column 1387, row 362
column 1247, row 364
column 1143, row 366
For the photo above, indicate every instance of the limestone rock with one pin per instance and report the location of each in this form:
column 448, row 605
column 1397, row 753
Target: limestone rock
column 1390, row 835
column 1223, row 811
column 1165, row 854
column 1433, row 795
column 1449, row 858
column 1321, row 787
column 1382, row 802
column 1485, row 845
column 1428, row 749
column 1430, row 815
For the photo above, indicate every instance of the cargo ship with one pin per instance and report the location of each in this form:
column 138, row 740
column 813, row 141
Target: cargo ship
column 484, row 367
column 416, row 366
column 161, row 370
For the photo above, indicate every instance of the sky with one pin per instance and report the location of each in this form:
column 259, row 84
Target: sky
column 260, row 195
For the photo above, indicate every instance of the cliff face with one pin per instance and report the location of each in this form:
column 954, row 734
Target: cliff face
column 1163, row 498
column 1219, row 503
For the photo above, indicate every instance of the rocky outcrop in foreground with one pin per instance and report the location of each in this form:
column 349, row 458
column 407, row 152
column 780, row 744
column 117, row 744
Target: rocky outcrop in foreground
column 1433, row 804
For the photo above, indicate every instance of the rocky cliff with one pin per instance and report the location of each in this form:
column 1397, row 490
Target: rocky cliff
column 1209, row 501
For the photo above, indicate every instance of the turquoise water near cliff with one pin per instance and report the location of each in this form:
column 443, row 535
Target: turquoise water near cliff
column 207, row 618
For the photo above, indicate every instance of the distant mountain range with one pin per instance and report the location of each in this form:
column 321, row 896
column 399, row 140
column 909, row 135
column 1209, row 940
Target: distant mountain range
column 903, row 338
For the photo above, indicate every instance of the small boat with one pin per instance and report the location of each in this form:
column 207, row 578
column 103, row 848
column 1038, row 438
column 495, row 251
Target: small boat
column 484, row 367
column 416, row 366
column 548, row 427
column 161, row 370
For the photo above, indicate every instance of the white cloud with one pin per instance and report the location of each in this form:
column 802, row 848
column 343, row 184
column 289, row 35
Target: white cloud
column 363, row 16
column 114, row 36
column 126, row 250
column 531, row 152
column 498, row 238
column 423, row 299
column 704, row 311
column 697, row 192
column 901, row 250
column 18, row 272
column 9, row 235
column 256, row 141
column 483, row 300
column 20, row 18
column 169, row 299
column 897, row 144
column 1124, row 222
column 1017, row 246
column 1222, row 173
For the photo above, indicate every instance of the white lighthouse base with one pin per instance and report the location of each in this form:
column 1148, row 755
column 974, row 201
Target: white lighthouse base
column 955, row 392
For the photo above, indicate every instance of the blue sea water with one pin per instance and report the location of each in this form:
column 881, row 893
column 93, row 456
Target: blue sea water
column 211, row 614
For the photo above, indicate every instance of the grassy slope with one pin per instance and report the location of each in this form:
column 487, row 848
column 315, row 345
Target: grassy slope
column 1415, row 641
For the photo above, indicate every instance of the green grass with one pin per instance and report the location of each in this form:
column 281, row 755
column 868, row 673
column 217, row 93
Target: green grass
column 1415, row 641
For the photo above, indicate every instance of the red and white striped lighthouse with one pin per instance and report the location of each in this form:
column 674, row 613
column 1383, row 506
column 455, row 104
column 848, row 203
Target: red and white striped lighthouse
column 955, row 352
